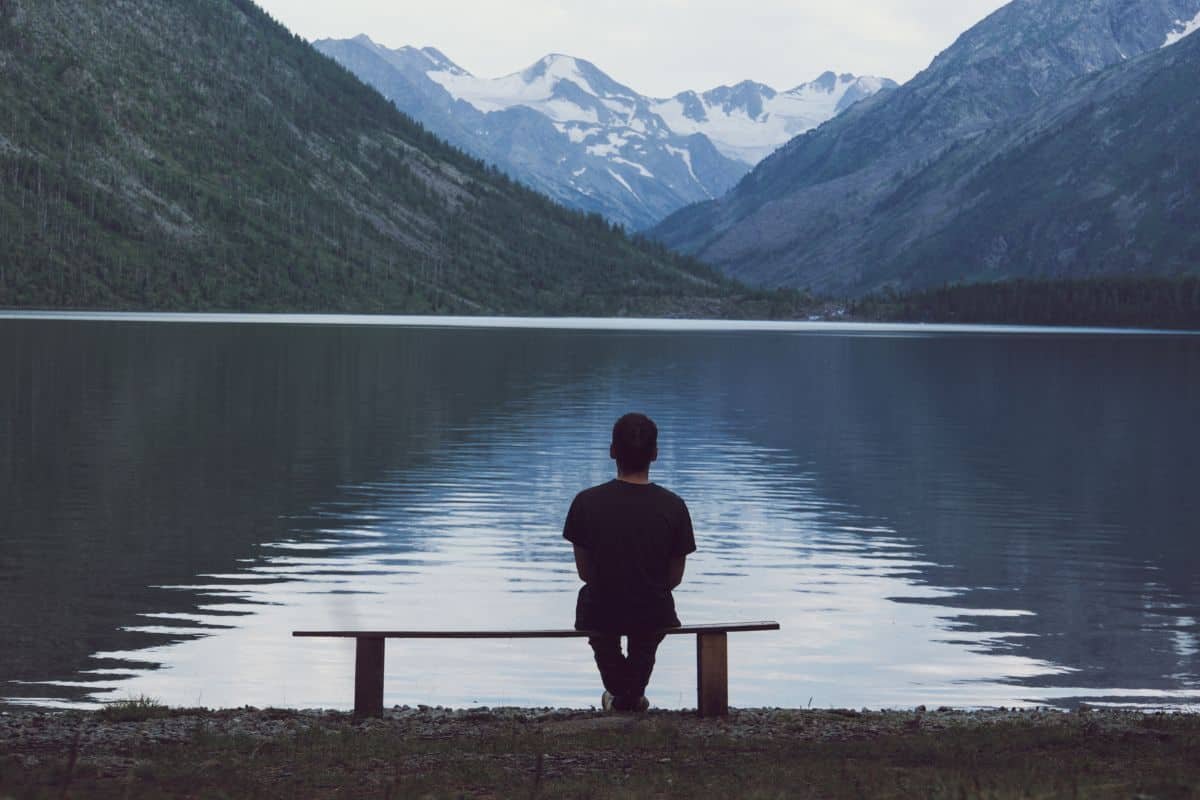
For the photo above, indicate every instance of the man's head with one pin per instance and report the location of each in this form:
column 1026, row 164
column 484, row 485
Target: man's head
column 634, row 443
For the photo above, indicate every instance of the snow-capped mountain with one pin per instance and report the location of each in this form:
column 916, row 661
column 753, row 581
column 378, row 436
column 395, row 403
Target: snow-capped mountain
column 749, row 121
column 569, row 130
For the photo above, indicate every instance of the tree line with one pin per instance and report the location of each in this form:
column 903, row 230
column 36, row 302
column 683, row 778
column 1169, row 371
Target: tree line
column 1142, row 302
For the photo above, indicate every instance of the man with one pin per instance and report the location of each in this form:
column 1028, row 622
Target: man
column 632, row 538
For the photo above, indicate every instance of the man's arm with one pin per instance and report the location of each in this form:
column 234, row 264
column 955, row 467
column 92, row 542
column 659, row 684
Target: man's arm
column 584, row 565
column 675, row 570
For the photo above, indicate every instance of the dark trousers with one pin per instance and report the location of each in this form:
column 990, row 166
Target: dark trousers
column 626, row 676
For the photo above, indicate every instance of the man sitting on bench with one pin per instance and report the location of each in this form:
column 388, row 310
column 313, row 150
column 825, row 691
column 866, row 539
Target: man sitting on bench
column 631, row 539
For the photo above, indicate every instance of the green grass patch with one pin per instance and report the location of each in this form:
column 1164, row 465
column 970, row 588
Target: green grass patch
column 133, row 709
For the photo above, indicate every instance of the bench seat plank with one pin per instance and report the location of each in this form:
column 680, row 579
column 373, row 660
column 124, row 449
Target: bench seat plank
column 545, row 634
column 712, row 670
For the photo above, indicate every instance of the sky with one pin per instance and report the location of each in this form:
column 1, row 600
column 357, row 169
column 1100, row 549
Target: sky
column 658, row 47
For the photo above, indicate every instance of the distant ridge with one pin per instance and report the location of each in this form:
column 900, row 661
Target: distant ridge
column 567, row 129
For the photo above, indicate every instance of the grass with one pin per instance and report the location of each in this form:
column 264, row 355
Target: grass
column 665, row 756
column 133, row 709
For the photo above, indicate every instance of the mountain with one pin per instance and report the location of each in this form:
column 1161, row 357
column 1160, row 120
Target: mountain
column 750, row 121
column 193, row 154
column 942, row 179
column 1104, row 180
column 567, row 129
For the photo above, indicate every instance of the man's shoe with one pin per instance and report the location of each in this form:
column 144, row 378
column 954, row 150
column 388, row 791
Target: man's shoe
column 606, row 701
column 642, row 704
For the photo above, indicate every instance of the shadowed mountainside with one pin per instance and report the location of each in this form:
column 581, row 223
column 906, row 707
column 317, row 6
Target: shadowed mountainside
column 1015, row 154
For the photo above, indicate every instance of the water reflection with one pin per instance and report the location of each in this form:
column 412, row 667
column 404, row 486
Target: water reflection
column 1054, row 474
column 933, row 520
column 429, row 548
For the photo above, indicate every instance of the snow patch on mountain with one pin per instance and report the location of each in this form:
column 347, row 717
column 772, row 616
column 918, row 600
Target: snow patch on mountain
column 622, row 181
column 641, row 170
column 536, row 88
column 610, row 146
column 686, row 157
column 749, row 121
column 576, row 133
column 1182, row 28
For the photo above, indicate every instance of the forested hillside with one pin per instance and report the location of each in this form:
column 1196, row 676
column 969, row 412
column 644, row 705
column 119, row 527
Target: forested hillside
column 192, row 154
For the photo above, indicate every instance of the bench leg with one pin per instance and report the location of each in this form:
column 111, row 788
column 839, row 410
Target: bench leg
column 368, row 678
column 712, row 674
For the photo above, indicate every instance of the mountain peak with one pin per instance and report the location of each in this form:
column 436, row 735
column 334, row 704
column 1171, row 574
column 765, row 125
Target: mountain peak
column 741, row 87
column 746, row 97
column 441, row 60
column 427, row 59
column 437, row 56
column 826, row 82
column 830, row 82
column 748, row 85
column 559, row 66
column 556, row 64
column 554, row 68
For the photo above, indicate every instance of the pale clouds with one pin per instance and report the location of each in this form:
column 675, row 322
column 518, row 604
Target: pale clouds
column 659, row 46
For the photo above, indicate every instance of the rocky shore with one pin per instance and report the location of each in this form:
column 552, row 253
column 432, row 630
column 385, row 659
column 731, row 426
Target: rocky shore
column 34, row 732
column 307, row 752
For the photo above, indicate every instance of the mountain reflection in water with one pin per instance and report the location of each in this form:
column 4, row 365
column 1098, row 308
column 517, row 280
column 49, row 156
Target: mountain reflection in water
column 958, row 519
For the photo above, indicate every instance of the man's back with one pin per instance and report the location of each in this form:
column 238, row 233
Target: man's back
column 631, row 540
column 632, row 532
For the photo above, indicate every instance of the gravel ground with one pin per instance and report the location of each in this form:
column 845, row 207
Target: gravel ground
column 31, row 735
column 503, row 752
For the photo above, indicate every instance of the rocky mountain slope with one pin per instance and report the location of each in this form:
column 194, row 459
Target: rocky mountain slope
column 1001, row 159
column 193, row 154
column 1104, row 180
column 567, row 129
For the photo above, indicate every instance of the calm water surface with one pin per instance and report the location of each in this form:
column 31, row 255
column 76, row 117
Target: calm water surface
column 964, row 517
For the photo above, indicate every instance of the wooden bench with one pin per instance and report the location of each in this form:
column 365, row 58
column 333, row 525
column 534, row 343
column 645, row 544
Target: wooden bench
column 712, row 664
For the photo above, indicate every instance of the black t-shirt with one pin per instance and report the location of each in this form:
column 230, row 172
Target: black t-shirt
column 632, row 532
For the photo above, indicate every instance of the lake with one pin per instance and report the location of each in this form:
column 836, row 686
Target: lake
column 959, row 516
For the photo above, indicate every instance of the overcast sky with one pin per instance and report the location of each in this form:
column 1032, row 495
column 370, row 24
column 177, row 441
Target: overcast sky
column 658, row 47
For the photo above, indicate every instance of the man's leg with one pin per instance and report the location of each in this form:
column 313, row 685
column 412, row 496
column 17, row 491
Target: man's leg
column 614, row 670
column 642, row 650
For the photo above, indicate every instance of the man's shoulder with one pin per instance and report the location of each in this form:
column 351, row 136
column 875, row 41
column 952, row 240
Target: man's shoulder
column 667, row 495
column 594, row 496
column 599, row 490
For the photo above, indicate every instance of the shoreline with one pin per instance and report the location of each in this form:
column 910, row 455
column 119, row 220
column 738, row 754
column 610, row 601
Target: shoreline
column 432, row 751
column 824, row 323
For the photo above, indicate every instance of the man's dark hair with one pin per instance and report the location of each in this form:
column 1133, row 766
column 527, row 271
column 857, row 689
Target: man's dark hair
column 634, row 442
